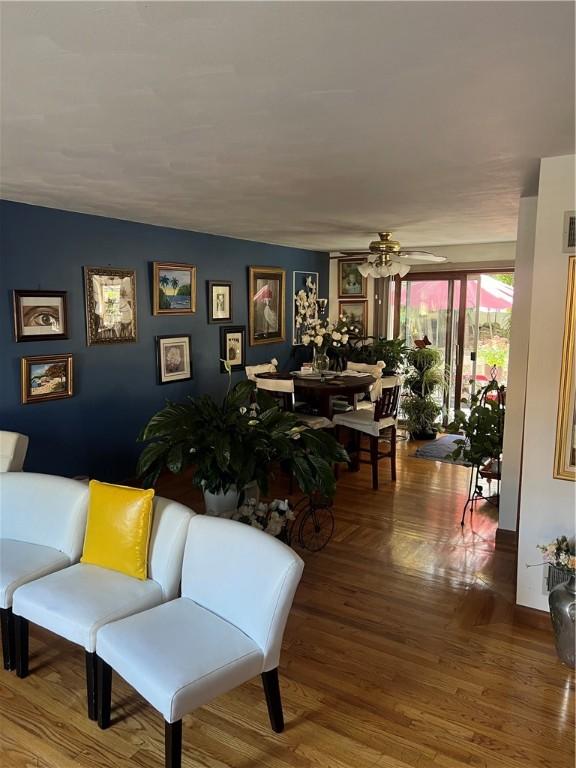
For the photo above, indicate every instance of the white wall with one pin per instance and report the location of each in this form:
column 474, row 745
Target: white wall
column 518, row 366
column 547, row 505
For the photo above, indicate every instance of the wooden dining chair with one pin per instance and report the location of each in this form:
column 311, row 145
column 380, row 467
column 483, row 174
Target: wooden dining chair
column 283, row 390
column 380, row 419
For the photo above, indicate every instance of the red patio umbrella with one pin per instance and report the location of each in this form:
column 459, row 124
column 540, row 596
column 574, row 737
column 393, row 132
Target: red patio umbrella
column 433, row 294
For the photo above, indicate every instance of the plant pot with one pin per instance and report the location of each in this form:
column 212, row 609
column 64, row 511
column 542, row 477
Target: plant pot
column 221, row 504
column 424, row 434
column 562, row 601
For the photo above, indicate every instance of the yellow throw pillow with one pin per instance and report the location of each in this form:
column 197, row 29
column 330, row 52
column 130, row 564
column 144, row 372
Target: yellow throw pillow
column 118, row 528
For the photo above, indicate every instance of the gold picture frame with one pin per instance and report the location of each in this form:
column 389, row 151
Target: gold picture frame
column 46, row 377
column 111, row 311
column 266, row 305
column 174, row 277
column 351, row 284
column 355, row 311
column 565, row 452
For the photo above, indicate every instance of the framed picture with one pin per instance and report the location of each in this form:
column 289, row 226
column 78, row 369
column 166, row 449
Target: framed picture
column 173, row 358
column 306, row 310
column 40, row 315
column 355, row 312
column 110, row 305
column 233, row 347
column 266, row 301
column 46, row 377
column 173, row 289
column 219, row 301
column 565, row 453
column 351, row 284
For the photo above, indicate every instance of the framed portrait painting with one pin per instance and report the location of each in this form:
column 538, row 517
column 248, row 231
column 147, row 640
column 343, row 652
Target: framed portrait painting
column 565, row 452
column 233, row 347
column 219, row 301
column 110, row 296
column 356, row 313
column 173, row 358
column 266, row 302
column 40, row 315
column 351, row 284
column 46, row 377
column 173, row 289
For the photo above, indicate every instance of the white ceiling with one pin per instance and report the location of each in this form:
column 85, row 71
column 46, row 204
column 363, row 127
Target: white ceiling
column 308, row 124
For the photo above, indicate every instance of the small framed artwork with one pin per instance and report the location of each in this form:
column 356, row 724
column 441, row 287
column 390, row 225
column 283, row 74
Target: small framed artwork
column 565, row 452
column 351, row 284
column 305, row 301
column 173, row 358
column 219, row 301
column 233, row 347
column 356, row 313
column 266, row 302
column 110, row 305
column 173, row 289
column 46, row 377
column 40, row 315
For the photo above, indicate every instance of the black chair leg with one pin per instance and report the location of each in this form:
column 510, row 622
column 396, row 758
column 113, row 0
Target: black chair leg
column 103, row 692
column 374, row 461
column 91, row 688
column 21, row 632
column 173, row 744
column 273, row 700
column 8, row 638
column 393, row 453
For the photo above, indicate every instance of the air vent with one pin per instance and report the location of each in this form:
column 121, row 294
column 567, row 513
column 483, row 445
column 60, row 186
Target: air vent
column 569, row 239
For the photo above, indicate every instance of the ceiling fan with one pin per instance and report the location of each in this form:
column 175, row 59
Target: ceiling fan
column 387, row 258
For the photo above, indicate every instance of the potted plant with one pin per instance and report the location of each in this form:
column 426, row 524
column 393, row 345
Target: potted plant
column 425, row 376
column 482, row 429
column 235, row 442
column 371, row 350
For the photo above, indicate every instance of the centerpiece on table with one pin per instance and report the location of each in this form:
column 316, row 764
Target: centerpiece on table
column 235, row 443
column 561, row 555
column 323, row 335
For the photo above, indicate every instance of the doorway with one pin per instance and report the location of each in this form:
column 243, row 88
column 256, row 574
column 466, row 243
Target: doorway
column 466, row 316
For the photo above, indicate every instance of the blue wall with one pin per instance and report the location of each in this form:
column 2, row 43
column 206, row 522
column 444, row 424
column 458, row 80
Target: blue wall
column 115, row 389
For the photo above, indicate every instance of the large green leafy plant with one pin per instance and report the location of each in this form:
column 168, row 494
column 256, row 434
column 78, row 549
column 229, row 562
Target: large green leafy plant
column 425, row 376
column 391, row 351
column 482, row 429
column 237, row 441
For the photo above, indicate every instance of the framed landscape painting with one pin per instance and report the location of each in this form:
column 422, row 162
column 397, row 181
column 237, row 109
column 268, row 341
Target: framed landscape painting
column 173, row 358
column 266, row 301
column 351, row 284
column 46, row 377
column 173, row 289
column 565, row 453
column 219, row 301
column 110, row 296
column 233, row 347
column 355, row 312
column 40, row 315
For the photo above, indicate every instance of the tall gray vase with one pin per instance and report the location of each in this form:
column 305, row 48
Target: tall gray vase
column 562, row 601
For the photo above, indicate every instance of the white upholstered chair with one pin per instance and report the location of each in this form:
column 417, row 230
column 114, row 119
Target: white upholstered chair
column 76, row 602
column 237, row 590
column 42, row 523
column 379, row 419
column 253, row 370
column 284, row 390
column 13, row 447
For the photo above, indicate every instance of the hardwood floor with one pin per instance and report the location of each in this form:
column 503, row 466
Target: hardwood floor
column 401, row 651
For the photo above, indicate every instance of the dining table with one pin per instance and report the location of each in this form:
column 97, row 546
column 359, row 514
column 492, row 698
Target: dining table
column 320, row 390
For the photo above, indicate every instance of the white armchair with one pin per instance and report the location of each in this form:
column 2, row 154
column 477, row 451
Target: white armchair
column 237, row 589
column 13, row 447
column 42, row 523
column 76, row 602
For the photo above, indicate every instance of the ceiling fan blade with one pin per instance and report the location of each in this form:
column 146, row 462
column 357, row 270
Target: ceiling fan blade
column 355, row 253
column 408, row 256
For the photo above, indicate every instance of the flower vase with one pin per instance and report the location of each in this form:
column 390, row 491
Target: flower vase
column 320, row 362
column 562, row 601
column 221, row 504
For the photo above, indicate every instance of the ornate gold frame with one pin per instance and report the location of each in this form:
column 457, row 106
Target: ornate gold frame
column 267, row 272
column 25, row 364
column 175, row 267
column 91, row 322
column 564, row 463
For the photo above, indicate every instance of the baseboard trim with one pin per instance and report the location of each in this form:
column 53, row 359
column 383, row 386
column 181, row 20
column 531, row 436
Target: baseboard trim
column 506, row 539
column 531, row 617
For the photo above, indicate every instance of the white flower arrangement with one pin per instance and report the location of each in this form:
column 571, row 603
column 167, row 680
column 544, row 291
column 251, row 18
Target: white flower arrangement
column 323, row 333
column 271, row 518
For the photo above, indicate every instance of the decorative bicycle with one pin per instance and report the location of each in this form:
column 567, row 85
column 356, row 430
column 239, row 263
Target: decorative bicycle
column 313, row 523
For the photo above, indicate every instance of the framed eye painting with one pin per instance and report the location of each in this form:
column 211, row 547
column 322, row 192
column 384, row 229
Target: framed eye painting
column 46, row 377
column 233, row 347
column 266, row 301
column 173, row 358
column 173, row 289
column 110, row 305
column 40, row 315
column 219, row 301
